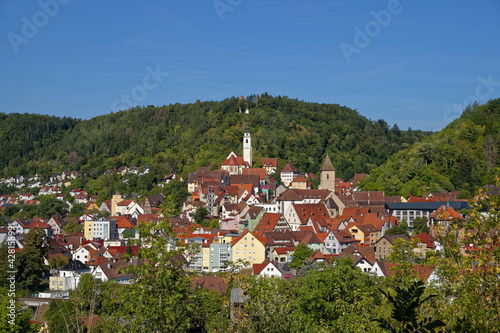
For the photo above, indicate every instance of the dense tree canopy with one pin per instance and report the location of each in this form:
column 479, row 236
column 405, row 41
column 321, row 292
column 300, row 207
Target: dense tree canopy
column 179, row 138
column 463, row 156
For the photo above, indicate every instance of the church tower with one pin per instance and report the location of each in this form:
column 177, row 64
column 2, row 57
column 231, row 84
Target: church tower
column 327, row 178
column 247, row 147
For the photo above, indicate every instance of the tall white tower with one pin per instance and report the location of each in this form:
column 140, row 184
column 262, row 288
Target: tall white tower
column 247, row 147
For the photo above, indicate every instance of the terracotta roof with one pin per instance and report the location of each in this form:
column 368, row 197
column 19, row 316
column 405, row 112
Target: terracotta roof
column 215, row 283
column 288, row 168
column 234, row 160
column 317, row 255
column 311, row 211
column 269, row 162
column 424, row 237
column 268, row 222
column 444, row 213
column 257, row 268
column 299, row 179
column 37, row 224
column 261, row 172
column 123, row 222
column 368, row 252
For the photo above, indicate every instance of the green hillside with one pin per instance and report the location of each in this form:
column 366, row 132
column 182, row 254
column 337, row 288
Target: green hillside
column 179, row 138
column 462, row 156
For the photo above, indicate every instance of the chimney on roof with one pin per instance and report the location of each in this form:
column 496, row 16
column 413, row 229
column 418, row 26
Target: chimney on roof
column 109, row 265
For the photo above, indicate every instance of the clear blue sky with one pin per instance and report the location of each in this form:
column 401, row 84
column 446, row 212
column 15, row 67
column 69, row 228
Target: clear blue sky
column 415, row 66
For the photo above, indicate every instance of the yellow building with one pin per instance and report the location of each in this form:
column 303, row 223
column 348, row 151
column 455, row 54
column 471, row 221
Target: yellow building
column 248, row 248
column 206, row 257
column 114, row 202
column 364, row 234
column 88, row 229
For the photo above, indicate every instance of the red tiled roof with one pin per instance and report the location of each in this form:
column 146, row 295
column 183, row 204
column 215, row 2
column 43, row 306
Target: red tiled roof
column 444, row 213
column 257, row 268
column 261, row 172
column 299, row 179
column 269, row 162
column 37, row 224
column 234, row 160
column 311, row 211
column 288, row 168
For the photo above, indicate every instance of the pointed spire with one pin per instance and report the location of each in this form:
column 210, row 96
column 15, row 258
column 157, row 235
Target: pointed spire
column 247, row 130
column 327, row 164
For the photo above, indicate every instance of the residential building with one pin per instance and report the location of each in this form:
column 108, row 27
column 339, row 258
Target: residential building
column 383, row 247
column 249, row 248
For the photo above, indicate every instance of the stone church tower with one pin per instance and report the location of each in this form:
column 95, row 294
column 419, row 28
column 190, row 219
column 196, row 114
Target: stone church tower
column 247, row 147
column 327, row 178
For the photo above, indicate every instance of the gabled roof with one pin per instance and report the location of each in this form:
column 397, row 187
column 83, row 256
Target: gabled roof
column 214, row 283
column 75, row 265
column 425, row 238
column 309, row 211
column 367, row 252
column 289, row 168
column 318, row 256
column 246, row 232
column 269, row 162
column 37, row 224
column 254, row 211
column 261, row 172
column 299, row 179
column 267, row 223
column 123, row 222
column 234, row 160
column 365, row 228
column 444, row 213
column 392, row 238
column 257, row 268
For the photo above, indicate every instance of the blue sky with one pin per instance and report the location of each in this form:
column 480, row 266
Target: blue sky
column 417, row 65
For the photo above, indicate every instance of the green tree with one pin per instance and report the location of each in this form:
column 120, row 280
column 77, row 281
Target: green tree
column 50, row 206
column 77, row 210
column 398, row 229
column 73, row 227
column 13, row 319
column 420, row 225
column 214, row 224
column 404, row 313
column 30, row 260
column 58, row 261
column 301, row 253
column 160, row 299
column 199, row 215
column 326, row 297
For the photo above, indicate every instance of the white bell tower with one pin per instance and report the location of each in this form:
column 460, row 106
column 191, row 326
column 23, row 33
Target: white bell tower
column 247, row 147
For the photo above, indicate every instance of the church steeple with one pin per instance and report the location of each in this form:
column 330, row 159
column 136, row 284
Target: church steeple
column 327, row 178
column 247, row 147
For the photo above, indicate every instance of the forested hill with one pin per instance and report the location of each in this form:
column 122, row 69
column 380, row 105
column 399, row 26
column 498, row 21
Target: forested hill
column 462, row 156
column 179, row 138
column 25, row 137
